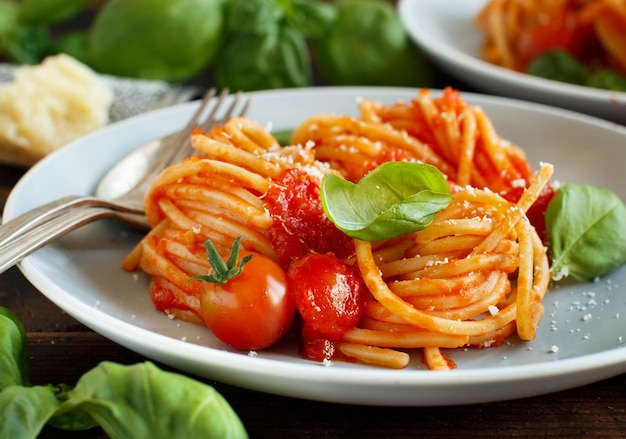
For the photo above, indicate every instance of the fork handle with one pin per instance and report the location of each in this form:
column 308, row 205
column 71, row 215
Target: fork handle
column 43, row 233
column 34, row 218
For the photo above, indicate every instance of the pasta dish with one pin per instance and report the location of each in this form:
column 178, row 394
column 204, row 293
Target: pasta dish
column 592, row 33
column 473, row 277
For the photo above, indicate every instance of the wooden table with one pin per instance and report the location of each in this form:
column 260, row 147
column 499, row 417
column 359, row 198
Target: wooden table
column 62, row 349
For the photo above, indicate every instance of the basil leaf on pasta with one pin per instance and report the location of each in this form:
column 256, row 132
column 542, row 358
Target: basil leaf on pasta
column 586, row 229
column 394, row 199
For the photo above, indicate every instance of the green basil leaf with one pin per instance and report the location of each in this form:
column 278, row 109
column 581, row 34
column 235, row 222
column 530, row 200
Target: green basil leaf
column 585, row 225
column 394, row 199
column 168, row 40
column 560, row 66
column 311, row 17
column 607, row 79
column 253, row 16
column 13, row 353
column 367, row 45
column 278, row 58
column 25, row 410
column 283, row 136
column 9, row 13
column 25, row 44
column 143, row 401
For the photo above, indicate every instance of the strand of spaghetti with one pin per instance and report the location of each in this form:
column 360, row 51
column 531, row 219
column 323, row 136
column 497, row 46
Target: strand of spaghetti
column 486, row 200
column 197, row 166
column 499, row 34
column 456, row 267
column 541, row 266
column 491, row 144
column 233, row 155
column 468, row 146
column 393, row 251
column 373, row 131
column 529, row 196
column 446, row 244
column 370, row 110
column 409, row 265
column 437, row 287
column 405, row 339
column 488, row 303
column 368, row 322
column 455, row 226
column 246, row 134
column 222, row 233
column 374, row 355
column 377, row 312
column 351, row 143
column 219, row 202
column 436, row 360
column 381, row 292
column 469, row 303
column 131, row 261
column 449, row 133
column 191, row 262
column 493, row 338
column 157, row 265
column 526, row 297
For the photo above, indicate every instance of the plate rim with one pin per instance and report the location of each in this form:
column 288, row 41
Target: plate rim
column 452, row 55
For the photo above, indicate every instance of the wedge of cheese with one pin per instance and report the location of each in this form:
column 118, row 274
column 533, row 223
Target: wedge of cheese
column 48, row 105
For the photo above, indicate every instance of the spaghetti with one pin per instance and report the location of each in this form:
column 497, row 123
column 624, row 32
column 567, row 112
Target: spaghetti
column 474, row 277
column 593, row 31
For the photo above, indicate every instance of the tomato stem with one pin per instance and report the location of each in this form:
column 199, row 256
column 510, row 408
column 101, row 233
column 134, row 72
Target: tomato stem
column 223, row 271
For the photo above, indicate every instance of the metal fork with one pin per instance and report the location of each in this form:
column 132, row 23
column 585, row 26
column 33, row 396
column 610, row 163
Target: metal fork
column 38, row 227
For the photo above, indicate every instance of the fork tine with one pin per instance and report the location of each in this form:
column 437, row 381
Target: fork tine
column 213, row 119
column 193, row 123
column 229, row 112
column 181, row 148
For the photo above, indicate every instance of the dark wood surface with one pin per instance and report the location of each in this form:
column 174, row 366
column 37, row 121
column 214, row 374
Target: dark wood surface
column 62, row 349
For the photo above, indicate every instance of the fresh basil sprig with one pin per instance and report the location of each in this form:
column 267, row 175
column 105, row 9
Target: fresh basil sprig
column 587, row 230
column 136, row 401
column 394, row 199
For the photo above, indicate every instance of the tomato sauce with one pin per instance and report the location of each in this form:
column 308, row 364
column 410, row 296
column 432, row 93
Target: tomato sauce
column 299, row 223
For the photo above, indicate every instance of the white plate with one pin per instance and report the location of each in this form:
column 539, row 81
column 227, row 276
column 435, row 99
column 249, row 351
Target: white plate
column 81, row 273
column 445, row 30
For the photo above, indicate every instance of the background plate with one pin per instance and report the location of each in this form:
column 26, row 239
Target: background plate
column 81, row 272
column 445, row 30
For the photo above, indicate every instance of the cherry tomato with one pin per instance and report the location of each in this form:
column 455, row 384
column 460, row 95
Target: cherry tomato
column 252, row 310
column 299, row 223
column 328, row 293
column 315, row 346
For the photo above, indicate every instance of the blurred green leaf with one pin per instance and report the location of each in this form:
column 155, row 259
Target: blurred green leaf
column 73, row 44
column 313, row 18
column 369, row 46
column 9, row 13
column 40, row 12
column 253, row 16
column 275, row 59
column 25, row 44
column 170, row 40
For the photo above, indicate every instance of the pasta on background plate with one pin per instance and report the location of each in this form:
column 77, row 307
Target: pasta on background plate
column 472, row 278
column 593, row 32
